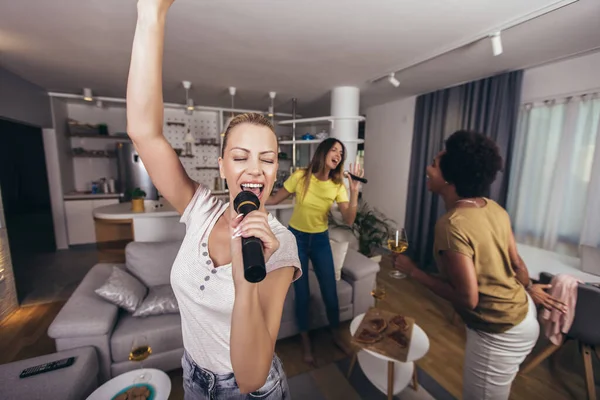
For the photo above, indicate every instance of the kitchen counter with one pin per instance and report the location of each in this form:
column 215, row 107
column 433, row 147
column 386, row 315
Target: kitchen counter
column 91, row 196
column 123, row 210
column 117, row 222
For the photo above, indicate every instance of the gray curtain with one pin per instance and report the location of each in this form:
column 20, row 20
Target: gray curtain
column 489, row 106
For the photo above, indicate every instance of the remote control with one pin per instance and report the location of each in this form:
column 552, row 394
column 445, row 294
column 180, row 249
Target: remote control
column 51, row 366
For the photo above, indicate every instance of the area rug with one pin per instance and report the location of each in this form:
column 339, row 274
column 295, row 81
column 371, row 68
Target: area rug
column 330, row 383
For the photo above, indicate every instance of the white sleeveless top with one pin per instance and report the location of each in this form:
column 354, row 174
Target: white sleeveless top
column 206, row 294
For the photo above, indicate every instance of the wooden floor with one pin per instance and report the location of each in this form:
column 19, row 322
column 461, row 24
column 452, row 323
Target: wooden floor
column 23, row 335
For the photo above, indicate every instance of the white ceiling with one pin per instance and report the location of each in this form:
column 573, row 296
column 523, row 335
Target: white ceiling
column 299, row 49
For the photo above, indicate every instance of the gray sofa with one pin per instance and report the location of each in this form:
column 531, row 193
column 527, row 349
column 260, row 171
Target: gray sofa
column 88, row 320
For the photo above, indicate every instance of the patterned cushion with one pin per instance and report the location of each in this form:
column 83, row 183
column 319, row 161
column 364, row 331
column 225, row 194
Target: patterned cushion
column 160, row 300
column 123, row 290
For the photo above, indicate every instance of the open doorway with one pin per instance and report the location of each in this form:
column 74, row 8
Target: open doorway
column 26, row 199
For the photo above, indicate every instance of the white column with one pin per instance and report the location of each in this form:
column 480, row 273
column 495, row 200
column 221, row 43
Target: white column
column 345, row 103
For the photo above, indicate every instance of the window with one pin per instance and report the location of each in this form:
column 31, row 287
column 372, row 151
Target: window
column 554, row 191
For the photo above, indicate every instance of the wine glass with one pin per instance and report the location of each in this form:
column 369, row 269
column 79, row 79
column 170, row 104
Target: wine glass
column 397, row 243
column 378, row 292
column 140, row 350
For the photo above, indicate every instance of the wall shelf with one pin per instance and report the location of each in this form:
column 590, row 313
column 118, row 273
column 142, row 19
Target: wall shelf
column 313, row 141
column 93, row 155
column 303, row 121
column 96, row 136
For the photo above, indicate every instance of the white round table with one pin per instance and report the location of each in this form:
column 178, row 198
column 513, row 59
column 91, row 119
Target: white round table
column 388, row 375
column 158, row 379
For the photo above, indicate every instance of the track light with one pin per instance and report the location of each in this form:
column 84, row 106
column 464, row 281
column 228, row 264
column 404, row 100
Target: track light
column 232, row 90
column 87, row 94
column 272, row 106
column 496, row 43
column 392, row 79
column 189, row 109
column 99, row 103
column 189, row 102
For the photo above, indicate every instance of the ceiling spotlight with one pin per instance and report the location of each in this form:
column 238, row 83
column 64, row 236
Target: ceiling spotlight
column 232, row 90
column 272, row 106
column 189, row 108
column 392, row 79
column 87, row 94
column 189, row 102
column 496, row 43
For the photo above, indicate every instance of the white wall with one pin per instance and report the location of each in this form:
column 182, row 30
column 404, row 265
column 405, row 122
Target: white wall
column 63, row 145
column 562, row 78
column 388, row 141
column 55, row 184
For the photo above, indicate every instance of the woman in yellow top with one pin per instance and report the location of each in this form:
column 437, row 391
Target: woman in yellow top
column 316, row 188
column 483, row 275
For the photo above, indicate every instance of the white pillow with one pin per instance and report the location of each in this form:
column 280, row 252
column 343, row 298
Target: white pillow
column 339, row 250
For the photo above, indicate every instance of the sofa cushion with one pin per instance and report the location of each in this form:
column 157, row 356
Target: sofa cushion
column 123, row 289
column 151, row 262
column 73, row 319
column 340, row 234
column 160, row 300
column 357, row 266
column 344, row 290
column 338, row 250
column 163, row 333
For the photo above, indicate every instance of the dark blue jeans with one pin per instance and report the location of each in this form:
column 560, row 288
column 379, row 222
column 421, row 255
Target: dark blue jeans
column 316, row 247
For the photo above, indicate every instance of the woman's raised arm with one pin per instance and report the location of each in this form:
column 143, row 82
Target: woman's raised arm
column 145, row 106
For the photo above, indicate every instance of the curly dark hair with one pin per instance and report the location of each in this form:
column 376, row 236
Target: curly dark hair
column 470, row 163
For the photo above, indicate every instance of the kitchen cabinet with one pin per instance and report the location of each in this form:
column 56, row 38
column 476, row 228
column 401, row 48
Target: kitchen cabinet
column 80, row 219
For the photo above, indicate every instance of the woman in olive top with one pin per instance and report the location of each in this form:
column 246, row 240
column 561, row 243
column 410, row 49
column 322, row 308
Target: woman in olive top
column 482, row 274
column 316, row 188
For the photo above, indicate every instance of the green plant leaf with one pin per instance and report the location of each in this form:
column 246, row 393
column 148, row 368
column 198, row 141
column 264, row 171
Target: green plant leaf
column 371, row 227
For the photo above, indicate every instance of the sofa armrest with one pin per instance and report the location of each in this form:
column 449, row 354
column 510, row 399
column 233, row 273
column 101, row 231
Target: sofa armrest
column 357, row 266
column 360, row 272
column 86, row 313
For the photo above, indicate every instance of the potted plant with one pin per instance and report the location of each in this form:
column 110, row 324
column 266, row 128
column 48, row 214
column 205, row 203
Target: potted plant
column 371, row 227
column 137, row 200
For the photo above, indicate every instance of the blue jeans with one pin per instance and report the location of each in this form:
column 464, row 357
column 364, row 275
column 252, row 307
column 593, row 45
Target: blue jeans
column 202, row 384
column 316, row 247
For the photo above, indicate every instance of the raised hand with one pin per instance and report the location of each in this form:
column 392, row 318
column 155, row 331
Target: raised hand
column 159, row 5
column 355, row 169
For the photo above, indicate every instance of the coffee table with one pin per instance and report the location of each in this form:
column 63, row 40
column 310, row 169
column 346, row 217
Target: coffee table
column 386, row 374
column 158, row 379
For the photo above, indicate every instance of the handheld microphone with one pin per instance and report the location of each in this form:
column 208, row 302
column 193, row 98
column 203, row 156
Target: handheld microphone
column 357, row 178
column 252, row 248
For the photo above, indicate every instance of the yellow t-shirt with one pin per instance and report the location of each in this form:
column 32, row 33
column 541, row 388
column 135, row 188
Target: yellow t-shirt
column 483, row 234
column 310, row 212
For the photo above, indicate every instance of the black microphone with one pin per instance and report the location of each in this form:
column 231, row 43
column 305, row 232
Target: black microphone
column 252, row 248
column 356, row 178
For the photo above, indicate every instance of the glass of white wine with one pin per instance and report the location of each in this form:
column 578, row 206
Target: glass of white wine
column 397, row 243
column 378, row 292
column 140, row 350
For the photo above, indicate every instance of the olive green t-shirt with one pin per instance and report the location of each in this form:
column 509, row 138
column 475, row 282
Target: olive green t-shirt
column 483, row 235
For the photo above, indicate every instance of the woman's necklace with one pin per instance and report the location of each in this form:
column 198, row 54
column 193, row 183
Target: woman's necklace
column 468, row 201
